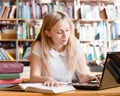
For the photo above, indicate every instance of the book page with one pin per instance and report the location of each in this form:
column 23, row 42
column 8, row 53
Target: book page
column 39, row 87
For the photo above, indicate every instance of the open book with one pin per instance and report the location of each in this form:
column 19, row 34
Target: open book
column 39, row 87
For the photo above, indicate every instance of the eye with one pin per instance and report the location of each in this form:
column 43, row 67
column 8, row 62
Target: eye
column 59, row 32
column 67, row 30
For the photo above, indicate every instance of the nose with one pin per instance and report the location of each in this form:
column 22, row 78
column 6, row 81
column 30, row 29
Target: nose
column 64, row 34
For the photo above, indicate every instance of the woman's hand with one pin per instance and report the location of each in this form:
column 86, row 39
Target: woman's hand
column 88, row 78
column 51, row 82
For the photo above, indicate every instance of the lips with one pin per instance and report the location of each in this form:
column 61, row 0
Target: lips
column 64, row 40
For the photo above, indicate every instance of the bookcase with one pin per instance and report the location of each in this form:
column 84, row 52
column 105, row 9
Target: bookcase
column 97, row 28
column 17, row 30
column 96, row 25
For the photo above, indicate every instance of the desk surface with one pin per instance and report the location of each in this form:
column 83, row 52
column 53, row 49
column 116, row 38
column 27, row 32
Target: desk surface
column 106, row 92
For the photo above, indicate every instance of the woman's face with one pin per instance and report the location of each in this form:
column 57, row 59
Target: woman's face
column 60, row 33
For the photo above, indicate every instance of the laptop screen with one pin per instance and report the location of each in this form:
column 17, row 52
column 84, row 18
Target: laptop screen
column 111, row 75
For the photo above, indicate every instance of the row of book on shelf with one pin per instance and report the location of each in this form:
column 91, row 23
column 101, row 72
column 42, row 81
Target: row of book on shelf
column 95, row 31
column 100, row 11
column 87, row 11
column 36, row 10
column 5, row 55
column 31, row 9
column 26, row 30
column 92, row 52
column 99, row 31
column 8, row 11
column 23, row 54
column 96, row 51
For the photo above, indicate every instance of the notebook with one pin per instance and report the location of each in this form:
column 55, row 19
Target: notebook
column 109, row 78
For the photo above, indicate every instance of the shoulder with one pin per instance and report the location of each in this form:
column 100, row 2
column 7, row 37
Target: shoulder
column 36, row 45
column 36, row 49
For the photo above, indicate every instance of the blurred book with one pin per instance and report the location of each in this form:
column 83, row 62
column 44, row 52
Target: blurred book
column 39, row 87
column 7, row 76
column 11, row 67
column 10, row 82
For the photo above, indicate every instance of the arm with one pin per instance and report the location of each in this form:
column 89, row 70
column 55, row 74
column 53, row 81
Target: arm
column 83, row 71
column 35, row 72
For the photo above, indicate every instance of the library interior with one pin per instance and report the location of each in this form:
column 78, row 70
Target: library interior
column 96, row 27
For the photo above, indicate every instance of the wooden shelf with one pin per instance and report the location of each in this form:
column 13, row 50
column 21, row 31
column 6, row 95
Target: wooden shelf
column 23, row 60
column 7, row 19
column 26, row 40
column 8, row 40
column 29, row 19
column 8, row 61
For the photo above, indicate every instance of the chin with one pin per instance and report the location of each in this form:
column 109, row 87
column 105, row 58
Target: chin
column 65, row 43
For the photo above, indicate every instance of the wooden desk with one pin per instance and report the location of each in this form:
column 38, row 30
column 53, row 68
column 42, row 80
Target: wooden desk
column 107, row 92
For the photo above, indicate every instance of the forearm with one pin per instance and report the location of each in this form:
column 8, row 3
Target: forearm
column 47, row 81
column 39, row 79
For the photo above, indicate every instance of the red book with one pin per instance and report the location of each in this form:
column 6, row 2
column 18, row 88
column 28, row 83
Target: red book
column 11, row 67
column 11, row 81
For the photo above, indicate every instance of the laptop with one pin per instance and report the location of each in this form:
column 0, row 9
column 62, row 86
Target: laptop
column 109, row 78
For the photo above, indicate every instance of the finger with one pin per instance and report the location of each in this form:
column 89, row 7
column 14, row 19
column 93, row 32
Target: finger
column 94, row 78
column 57, row 84
column 46, row 84
column 97, row 79
column 52, row 84
column 49, row 84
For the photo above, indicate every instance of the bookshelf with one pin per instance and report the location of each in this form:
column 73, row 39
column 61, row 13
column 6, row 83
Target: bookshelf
column 94, row 26
column 97, row 28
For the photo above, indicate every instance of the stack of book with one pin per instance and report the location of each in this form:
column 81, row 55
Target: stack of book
column 10, row 73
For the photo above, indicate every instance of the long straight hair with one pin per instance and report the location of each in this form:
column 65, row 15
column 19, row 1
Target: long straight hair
column 46, row 42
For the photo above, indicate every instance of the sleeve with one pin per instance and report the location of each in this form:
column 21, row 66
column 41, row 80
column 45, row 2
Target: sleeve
column 37, row 49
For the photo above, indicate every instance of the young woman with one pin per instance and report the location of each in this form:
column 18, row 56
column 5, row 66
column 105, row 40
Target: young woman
column 56, row 55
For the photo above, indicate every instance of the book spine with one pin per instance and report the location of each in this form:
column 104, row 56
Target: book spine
column 2, row 56
column 9, row 55
column 9, row 76
column 5, row 55
column 13, row 10
column 33, row 9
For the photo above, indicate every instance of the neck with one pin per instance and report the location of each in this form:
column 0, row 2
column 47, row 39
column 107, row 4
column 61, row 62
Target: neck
column 58, row 48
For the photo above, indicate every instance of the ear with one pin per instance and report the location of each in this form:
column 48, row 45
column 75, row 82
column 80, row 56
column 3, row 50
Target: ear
column 48, row 33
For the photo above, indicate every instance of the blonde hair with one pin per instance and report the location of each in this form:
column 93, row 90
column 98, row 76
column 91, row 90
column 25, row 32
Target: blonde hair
column 46, row 42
